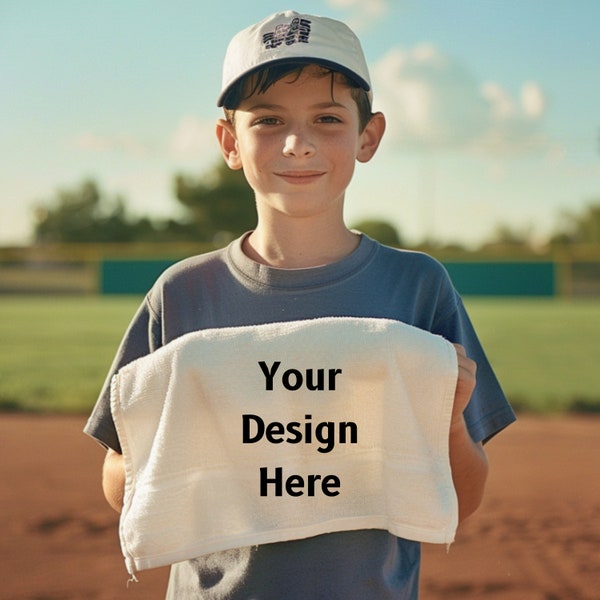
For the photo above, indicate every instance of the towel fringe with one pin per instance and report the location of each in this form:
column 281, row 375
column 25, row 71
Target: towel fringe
column 130, row 565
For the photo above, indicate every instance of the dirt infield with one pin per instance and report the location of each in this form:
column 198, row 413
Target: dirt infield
column 536, row 537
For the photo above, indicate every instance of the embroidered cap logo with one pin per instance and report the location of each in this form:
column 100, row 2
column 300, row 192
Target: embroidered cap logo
column 297, row 31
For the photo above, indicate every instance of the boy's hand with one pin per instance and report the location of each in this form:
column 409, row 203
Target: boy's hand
column 113, row 479
column 465, row 385
column 467, row 458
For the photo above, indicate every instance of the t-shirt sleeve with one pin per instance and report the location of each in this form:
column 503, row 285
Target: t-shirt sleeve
column 488, row 411
column 139, row 340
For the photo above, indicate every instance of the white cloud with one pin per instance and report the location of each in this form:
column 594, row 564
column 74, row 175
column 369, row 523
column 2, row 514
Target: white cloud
column 193, row 138
column 121, row 143
column 362, row 13
column 515, row 124
column 431, row 100
column 533, row 100
column 502, row 105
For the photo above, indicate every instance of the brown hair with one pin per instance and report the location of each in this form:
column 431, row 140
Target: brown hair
column 260, row 81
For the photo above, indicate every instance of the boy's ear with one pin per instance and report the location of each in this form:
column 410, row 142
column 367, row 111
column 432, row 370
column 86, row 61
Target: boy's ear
column 371, row 137
column 228, row 144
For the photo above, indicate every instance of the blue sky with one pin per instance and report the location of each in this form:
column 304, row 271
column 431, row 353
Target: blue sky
column 493, row 106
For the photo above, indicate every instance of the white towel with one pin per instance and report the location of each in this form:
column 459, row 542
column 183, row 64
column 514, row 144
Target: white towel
column 375, row 430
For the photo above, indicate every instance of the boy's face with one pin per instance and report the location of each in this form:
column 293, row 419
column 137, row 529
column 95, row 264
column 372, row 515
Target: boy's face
column 298, row 142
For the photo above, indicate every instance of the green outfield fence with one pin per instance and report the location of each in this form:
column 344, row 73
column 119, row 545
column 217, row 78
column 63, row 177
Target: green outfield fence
column 113, row 269
column 500, row 278
column 470, row 278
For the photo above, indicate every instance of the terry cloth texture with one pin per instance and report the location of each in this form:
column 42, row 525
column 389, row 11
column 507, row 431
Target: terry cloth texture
column 189, row 417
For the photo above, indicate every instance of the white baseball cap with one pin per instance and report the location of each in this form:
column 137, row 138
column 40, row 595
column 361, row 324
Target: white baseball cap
column 292, row 37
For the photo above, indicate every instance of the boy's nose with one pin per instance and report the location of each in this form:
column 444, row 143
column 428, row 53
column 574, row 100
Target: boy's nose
column 298, row 145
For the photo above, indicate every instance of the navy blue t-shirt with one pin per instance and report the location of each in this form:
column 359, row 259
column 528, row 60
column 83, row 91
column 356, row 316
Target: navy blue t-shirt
column 225, row 288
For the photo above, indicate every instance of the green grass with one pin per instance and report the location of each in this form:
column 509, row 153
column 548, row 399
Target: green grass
column 56, row 351
column 546, row 353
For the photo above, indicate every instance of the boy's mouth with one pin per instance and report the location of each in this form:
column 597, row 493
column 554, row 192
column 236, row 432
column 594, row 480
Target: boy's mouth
column 300, row 177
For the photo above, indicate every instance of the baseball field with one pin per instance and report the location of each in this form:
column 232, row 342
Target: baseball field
column 57, row 350
column 536, row 536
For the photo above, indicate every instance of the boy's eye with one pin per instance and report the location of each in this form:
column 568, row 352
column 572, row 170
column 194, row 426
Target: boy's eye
column 266, row 121
column 329, row 119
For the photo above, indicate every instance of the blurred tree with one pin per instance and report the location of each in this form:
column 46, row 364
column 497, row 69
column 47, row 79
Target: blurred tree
column 506, row 238
column 82, row 214
column 382, row 231
column 583, row 228
column 220, row 203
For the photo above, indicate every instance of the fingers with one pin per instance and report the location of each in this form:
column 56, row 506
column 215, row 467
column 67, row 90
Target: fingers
column 467, row 368
column 465, row 383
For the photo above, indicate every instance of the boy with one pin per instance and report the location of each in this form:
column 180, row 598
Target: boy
column 297, row 99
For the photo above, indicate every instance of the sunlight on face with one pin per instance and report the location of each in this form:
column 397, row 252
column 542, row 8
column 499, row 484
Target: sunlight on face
column 298, row 142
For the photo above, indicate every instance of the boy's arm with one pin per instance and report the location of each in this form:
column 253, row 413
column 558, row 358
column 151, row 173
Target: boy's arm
column 113, row 479
column 468, row 459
